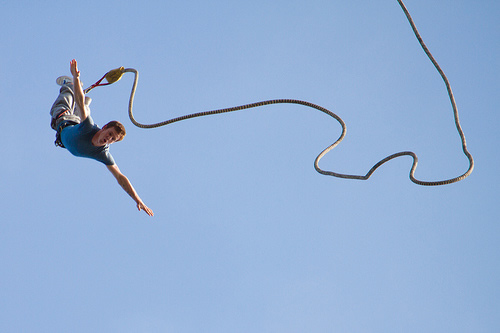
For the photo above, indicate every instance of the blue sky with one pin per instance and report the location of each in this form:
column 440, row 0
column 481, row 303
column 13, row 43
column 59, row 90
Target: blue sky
column 247, row 236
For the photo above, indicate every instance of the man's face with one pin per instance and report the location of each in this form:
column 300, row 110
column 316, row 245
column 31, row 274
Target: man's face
column 107, row 136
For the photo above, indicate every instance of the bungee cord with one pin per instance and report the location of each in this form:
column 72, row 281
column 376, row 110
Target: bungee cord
column 115, row 75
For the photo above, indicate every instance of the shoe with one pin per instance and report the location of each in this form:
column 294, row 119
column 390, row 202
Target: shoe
column 62, row 80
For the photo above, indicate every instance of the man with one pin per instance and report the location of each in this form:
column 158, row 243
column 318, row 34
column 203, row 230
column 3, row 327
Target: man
column 77, row 132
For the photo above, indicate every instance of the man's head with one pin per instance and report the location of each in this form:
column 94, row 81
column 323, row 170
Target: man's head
column 113, row 131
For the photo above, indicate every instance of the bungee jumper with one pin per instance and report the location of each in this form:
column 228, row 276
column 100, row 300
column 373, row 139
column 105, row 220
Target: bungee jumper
column 77, row 132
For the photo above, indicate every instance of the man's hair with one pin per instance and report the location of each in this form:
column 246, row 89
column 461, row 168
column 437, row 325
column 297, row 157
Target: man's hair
column 119, row 128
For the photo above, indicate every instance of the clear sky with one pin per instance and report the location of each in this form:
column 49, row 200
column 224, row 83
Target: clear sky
column 247, row 236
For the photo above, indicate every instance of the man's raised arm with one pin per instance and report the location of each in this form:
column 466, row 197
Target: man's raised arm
column 77, row 86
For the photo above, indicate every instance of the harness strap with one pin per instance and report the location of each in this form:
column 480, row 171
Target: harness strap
column 64, row 124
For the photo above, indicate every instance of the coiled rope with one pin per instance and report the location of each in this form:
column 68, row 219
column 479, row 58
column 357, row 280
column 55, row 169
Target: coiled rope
column 114, row 77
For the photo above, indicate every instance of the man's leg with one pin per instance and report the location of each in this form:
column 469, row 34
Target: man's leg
column 64, row 106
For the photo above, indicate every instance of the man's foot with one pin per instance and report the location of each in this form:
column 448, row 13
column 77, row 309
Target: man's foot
column 63, row 80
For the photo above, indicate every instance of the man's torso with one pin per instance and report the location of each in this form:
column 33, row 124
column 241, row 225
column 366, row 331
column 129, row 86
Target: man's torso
column 78, row 141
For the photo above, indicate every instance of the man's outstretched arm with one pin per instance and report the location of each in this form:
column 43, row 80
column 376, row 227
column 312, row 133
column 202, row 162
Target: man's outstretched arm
column 127, row 186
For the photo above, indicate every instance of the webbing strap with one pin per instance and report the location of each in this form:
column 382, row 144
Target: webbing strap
column 97, row 84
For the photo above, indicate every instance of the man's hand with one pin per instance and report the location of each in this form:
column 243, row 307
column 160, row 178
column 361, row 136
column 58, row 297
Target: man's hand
column 142, row 206
column 73, row 67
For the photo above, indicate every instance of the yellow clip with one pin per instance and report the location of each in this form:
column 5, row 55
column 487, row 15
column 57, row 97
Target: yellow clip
column 114, row 75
